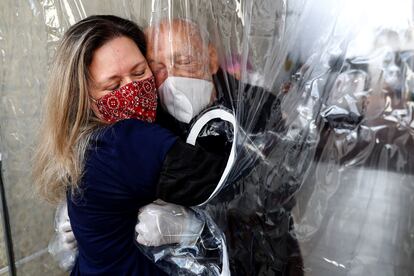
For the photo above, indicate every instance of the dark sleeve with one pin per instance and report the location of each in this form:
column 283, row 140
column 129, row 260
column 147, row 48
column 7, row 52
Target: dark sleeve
column 270, row 116
column 261, row 110
column 189, row 174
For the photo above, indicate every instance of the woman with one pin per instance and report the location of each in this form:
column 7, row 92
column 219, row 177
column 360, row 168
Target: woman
column 100, row 147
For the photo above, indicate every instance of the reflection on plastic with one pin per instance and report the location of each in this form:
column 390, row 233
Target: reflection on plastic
column 190, row 236
column 347, row 120
column 170, row 224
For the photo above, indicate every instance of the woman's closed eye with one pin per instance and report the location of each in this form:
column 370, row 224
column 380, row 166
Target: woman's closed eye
column 138, row 73
column 113, row 87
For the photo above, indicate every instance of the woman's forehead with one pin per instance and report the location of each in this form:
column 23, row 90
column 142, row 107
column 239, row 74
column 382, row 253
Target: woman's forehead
column 117, row 56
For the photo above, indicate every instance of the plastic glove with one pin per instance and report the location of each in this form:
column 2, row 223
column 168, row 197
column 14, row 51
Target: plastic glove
column 68, row 238
column 64, row 229
column 161, row 223
column 63, row 246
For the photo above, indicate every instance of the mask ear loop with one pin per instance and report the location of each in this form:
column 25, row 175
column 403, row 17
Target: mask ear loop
column 96, row 103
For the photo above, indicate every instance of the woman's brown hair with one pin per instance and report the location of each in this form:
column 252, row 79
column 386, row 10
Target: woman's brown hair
column 68, row 122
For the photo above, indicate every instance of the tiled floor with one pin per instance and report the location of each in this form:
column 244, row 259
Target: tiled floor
column 364, row 222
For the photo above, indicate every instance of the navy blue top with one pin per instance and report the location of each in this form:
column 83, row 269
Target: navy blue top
column 121, row 172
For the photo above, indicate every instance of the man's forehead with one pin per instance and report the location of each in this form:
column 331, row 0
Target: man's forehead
column 175, row 47
column 172, row 55
column 176, row 25
column 174, row 32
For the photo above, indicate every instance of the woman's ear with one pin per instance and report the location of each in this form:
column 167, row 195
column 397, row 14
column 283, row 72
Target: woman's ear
column 214, row 64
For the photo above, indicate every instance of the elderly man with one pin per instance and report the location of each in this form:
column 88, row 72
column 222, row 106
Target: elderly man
column 256, row 221
column 253, row 210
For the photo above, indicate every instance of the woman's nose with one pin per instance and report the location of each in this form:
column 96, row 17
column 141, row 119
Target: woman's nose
column 126, row 80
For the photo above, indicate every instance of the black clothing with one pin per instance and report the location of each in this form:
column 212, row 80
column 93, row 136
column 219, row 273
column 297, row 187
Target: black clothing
column 253, row 211
column 189, row 174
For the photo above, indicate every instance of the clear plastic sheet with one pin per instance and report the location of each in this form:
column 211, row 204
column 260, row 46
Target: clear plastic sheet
column 188, row 240
column 295, row 202
column 324, row 186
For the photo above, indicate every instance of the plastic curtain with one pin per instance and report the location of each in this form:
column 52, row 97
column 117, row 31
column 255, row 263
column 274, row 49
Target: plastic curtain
column 322, row 93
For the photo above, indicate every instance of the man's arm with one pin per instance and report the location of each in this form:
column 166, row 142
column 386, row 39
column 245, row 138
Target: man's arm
column 181, row 240
column 161, row 223
column 189, row 174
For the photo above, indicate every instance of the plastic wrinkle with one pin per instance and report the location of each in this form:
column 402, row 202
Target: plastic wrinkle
column 322, row 93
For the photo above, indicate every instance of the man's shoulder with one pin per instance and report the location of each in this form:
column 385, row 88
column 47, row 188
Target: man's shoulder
column 228, row 87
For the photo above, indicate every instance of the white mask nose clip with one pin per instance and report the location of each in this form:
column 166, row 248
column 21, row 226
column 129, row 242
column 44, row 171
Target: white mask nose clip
column 184, row 98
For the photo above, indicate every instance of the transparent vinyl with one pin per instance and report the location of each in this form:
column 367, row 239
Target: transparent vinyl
column 320, row 179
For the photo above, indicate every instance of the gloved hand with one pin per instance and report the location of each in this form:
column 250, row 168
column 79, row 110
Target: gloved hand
column 63, row 246
column 64, row 229
column 161, row 223
column 68, row 238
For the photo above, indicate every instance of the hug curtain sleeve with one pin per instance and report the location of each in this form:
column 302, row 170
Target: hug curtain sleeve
column 189, row 174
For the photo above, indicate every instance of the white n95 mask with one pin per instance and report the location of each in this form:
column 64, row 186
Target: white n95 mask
column 185, row 98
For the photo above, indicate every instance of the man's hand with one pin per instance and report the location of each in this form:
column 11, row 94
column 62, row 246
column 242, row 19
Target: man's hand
column 67, row 236
column 161, row 223
column 64, row 228
column 63, row 246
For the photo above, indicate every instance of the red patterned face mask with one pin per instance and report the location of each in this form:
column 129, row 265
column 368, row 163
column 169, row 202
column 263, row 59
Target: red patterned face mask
column 137, row 99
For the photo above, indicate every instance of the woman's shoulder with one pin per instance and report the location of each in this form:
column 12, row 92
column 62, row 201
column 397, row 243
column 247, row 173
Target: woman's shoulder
column 131, row 128
column 136, row 135
column 138, row 129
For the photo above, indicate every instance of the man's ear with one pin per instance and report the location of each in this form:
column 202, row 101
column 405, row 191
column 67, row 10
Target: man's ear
column 214, row 64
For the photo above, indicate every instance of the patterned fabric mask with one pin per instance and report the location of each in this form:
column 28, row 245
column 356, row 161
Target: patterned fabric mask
column 137, row 99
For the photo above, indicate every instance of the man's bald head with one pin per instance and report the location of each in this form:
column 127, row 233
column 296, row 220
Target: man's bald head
column 176, row 27
column 179, row 48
